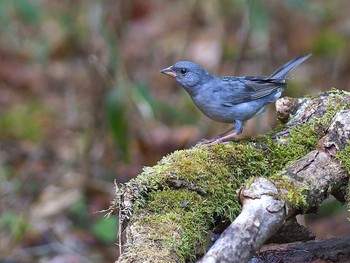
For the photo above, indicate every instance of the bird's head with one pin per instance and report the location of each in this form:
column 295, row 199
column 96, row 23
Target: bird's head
column 188, row 74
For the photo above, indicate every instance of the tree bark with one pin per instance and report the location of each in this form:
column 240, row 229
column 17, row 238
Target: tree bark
column 167, row 212
column 331, row 250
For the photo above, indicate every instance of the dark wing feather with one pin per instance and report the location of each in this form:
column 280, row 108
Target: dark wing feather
column 243, row 89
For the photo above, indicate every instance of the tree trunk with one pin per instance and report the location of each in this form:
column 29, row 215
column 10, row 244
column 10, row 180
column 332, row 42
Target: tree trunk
column 170, row 211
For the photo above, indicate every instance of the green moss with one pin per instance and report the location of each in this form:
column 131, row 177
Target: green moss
column 344, row 157
column 290, row 192
column 348, row 197
column 178, row 199
column 302, row 139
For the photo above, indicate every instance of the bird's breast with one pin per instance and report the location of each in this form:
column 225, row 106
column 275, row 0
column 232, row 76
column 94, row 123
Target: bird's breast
column 213, row 108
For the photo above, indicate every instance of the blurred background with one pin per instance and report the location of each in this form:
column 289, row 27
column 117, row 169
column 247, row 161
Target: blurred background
column 83, row 105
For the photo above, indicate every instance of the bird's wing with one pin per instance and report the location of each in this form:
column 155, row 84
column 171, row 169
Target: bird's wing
column 243, row 89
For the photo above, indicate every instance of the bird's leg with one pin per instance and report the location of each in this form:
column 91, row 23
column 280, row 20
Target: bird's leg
column 238, row 130
column 222, row 139
column 209, row 141
column 224, row 133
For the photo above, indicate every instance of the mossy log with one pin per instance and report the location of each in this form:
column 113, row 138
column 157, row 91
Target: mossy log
column 169, row 212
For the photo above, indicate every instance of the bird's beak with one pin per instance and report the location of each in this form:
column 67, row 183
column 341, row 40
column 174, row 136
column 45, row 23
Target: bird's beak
column 169, row 71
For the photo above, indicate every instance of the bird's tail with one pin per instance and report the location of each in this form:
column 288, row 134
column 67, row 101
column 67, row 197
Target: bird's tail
column 282, row 71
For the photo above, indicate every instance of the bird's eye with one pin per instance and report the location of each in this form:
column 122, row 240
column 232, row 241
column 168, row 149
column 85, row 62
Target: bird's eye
column 183, row 71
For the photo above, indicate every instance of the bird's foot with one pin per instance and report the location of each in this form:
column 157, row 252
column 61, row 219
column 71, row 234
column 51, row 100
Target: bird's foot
column 209, row 141
column 205, row 142
column 217, row 140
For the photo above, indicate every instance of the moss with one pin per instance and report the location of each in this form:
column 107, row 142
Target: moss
column 180, row 216
column 293, row 194
column 302, row 140
column 348, row 197
column 344, row 157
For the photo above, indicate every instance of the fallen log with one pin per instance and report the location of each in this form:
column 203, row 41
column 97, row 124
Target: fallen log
column 169, row 212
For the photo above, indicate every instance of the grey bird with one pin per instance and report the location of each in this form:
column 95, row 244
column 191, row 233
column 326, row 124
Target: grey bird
column 231, row 99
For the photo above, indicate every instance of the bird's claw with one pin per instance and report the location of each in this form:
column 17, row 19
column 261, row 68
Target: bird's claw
column 204, row 142
column 217, row 140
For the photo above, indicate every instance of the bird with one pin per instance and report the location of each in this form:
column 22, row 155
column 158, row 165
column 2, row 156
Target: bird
column 231, row 99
